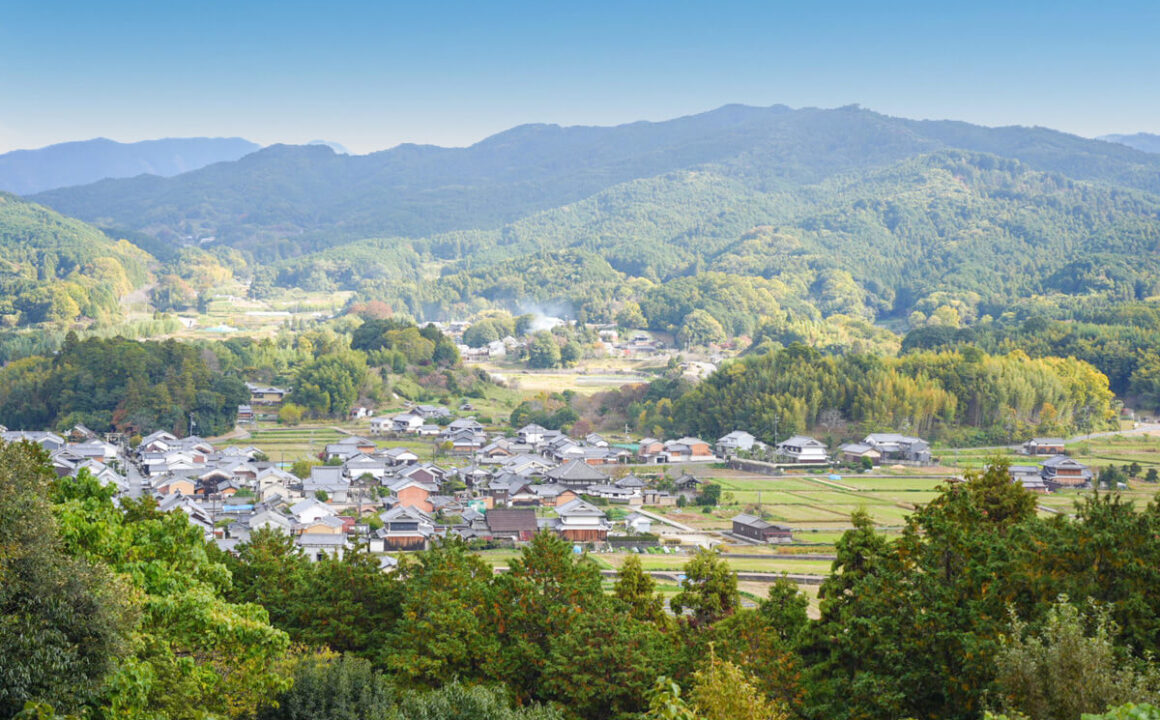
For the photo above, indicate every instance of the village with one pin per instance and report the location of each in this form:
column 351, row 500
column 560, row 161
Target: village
column 401, row 481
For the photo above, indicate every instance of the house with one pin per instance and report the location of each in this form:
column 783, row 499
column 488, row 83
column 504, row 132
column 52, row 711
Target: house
column 317, row 547
column 526, row 465
column 407, row 423
column 470, row 424
column 1044, row 446
column 580, row 521
column 530, row 434
column 576, row 474
column 687, row 449
column 553, row 495
column 463, row 440
column 270, row 520
column 175, row 484
column 425, row 472
column 854, row 452
column 78, row 434
column 245, row 413
column 265, row 394
column 496, row 451
column 310, row 510
column 399, row 456
column 50, row 441
column 631, row 482
column 197, row 516
column 361, row 465
column 103, row 474
column 159, row 441
column 895, row 447
column 1029, row 476
column 738, row 440
column 428, row 430
column 95, row 449
column 382, row 425
column 359, row 412
column 802, row 449
column 638, row 524
column 329, row 479
column 612, row 493
column 411, row 492
column 754, row 528
column 431, row 412
column 325, row 525
column 362, row 444
column 649, row 448
column 471, row 476
column 516, row 525
column 501, row 489
column 404, row 528
column 1061, row 471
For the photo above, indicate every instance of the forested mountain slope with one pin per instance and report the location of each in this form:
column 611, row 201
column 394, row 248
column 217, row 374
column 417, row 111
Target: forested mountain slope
column 54, row 268
column 283, row 201
column 957, row 233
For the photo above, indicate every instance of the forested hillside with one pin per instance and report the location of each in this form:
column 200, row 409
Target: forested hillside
column 57, row 269
column 942, row 238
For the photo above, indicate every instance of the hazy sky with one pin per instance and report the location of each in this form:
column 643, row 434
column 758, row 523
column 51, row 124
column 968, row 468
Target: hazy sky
column 373, row 74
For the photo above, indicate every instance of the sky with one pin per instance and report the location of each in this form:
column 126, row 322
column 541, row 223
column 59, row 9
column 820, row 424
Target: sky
column 371, row 75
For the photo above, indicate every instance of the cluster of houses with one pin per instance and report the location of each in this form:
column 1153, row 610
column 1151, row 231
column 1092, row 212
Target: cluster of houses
column 804, row 450
column 385, row 498
column 509, row 489
column 494, row 350
column 1056, row 473
column 887, row 447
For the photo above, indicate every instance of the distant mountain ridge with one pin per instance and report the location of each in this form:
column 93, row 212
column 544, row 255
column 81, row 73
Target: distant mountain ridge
column 1144, row 142
column 25, row 172
column 287, row 200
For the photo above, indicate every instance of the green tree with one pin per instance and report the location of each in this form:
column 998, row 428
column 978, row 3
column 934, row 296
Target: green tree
column 1062, row 671
column 63, row 620
column 709, row 590
column 710, row 495
column 571, row 353
column 637, row 590
column 543, row 351
column 290, row 414
column 444, row 629
column 700, row 328
column 723, row 691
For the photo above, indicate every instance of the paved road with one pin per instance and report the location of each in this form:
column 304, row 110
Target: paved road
column 133, row 476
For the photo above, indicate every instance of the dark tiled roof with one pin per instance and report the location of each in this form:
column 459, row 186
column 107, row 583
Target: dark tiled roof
column 505, row 521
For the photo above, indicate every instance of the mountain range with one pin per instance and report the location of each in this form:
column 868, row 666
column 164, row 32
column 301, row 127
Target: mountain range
column 25, row 172
column 821, row 224
column 1145, row 142
column 286, row 200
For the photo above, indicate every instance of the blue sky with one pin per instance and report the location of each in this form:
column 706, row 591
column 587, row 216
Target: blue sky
column 373, row 74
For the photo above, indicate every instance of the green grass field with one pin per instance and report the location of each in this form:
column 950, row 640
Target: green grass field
column 772, row 564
